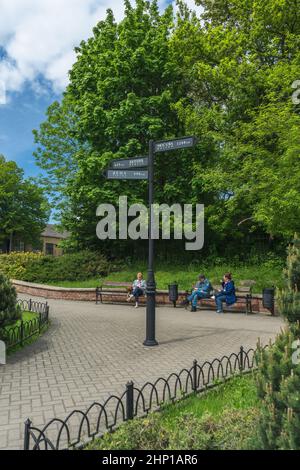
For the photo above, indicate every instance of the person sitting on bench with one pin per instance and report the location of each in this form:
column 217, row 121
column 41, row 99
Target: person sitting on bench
column 201, row 291
column 138, row 289
column 227, row 294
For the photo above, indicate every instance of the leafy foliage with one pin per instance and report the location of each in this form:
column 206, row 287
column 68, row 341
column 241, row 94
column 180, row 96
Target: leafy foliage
column 23, row 208
column 292, row 272
column 9, row 310
column 279, row 369
column 225, row 77
column 35, row 267
column 15, row 264
column 288, row 299
column 278, row 388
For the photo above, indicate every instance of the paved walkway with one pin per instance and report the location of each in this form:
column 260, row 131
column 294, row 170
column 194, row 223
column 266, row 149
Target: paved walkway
column 91, row 351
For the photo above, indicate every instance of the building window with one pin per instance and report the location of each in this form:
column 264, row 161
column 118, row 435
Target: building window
column 49, row 249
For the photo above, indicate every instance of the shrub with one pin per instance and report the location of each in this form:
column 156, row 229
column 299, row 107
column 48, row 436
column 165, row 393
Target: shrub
column 35, row 267
column 288, row 299
column 10, row 312
column 288, row 303
column 278, row 388
column 292, row 271
column 14, row 265
column 279, row 375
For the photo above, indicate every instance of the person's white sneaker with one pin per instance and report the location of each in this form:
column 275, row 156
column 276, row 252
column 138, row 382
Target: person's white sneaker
column 136, row 305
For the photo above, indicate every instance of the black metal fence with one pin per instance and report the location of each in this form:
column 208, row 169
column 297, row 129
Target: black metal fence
column 24, row 330
column 79, row 427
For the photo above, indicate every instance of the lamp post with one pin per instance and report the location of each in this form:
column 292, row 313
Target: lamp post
column 151, row 286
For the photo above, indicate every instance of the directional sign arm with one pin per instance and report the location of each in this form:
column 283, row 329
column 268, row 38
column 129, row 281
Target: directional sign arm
column 126, row 174
column 128, row 163
column 175, row 144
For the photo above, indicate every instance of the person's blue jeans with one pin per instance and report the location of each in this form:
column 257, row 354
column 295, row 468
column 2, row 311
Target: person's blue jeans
column 137, row 292
column 195, row 296
column 219, row 301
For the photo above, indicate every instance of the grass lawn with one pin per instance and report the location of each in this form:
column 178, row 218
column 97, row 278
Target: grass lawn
column 265, row 275
column 223, row 418
column 26, row 316
column 238, row 393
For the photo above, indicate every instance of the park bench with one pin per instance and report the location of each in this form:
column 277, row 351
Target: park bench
column 243, row 303
column 109, row 288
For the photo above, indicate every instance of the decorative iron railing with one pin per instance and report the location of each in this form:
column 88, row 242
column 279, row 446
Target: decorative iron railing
column 24, row 330
column 80, row 427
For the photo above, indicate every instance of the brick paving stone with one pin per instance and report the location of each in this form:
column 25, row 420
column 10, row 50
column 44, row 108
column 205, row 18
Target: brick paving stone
column 91, row 351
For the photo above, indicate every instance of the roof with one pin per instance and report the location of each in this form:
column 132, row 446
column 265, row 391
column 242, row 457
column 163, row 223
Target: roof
column 51, row 230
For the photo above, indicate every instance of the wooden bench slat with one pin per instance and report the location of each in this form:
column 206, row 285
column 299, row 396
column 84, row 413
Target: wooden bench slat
column 117, row 284
column 111, row 288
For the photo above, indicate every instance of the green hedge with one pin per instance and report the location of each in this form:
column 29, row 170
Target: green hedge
column 35, row 267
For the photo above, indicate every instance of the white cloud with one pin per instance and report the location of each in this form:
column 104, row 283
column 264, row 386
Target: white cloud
column 192, row 6
column 39, row 37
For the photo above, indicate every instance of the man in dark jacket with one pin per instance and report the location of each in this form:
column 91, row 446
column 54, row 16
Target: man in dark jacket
column 201, row 290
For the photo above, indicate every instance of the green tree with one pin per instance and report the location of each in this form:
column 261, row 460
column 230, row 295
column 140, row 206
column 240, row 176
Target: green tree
column 57, row 146
column 122, row 92
column 23, row 209
column 241, row 75
column 225, row 77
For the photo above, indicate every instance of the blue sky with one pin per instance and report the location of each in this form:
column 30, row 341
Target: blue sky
column 24, row 112
column 37, row 39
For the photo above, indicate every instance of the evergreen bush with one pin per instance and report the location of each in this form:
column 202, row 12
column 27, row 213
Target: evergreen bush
column 278, row 380
column 10, row 312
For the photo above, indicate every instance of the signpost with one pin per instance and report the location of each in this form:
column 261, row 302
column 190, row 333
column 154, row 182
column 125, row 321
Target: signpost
column 127, row 164
column 127, row 174
column 151, row 285
column 175, row 144
column 123, row 169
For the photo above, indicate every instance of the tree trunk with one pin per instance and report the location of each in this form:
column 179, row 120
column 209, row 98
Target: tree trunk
column 10, row 243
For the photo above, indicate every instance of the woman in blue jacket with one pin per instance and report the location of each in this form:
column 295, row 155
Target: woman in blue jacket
column 227, row 294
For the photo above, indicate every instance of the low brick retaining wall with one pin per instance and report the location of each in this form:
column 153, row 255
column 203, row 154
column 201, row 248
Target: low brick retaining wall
column 89, row 294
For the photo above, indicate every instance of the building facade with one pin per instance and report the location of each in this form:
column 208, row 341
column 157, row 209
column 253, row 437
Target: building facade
column 49, row 243
column 51, row 238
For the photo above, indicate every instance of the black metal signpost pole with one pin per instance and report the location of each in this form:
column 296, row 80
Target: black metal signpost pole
column 134, row 169
column 151, row 286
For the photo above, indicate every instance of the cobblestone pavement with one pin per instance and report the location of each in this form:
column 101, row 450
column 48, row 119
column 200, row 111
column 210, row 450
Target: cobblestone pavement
column 91, row 351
